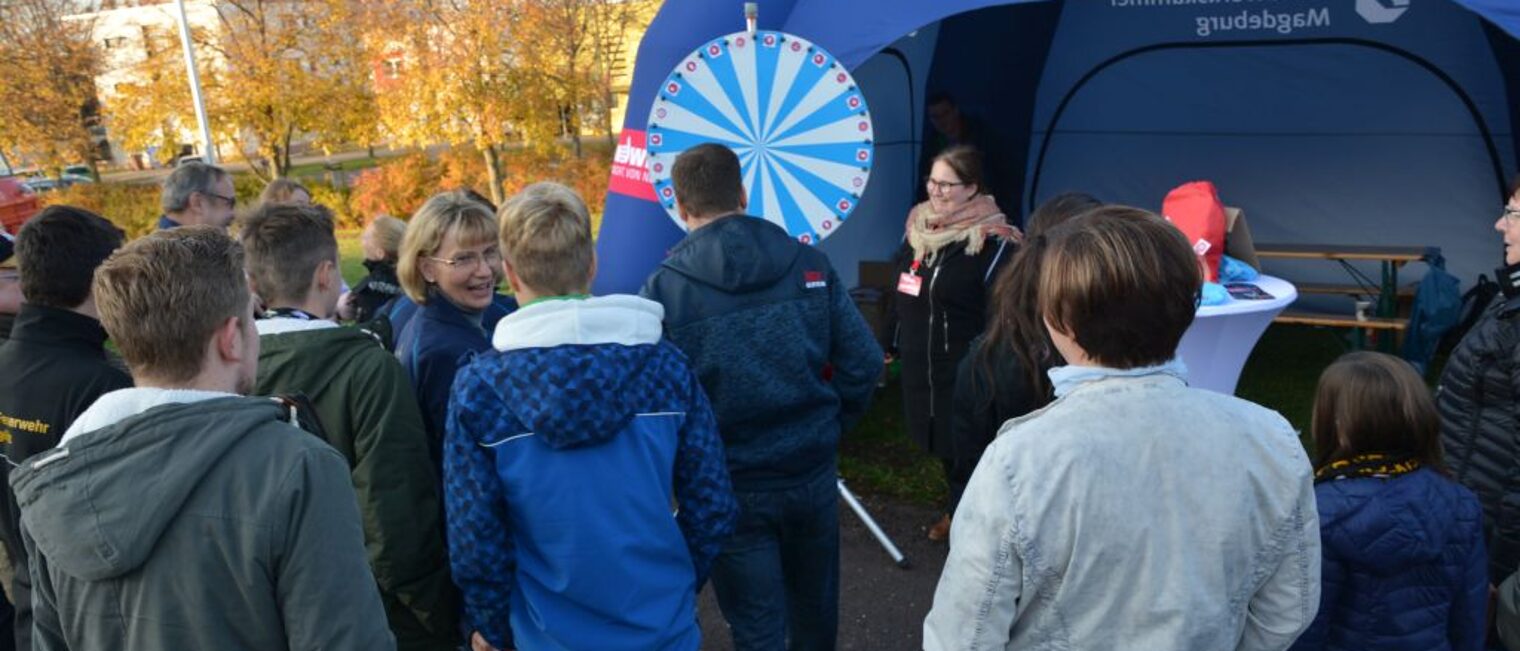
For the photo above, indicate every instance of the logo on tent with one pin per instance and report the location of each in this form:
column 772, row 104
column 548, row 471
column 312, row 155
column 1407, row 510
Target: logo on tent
column 1380, row 12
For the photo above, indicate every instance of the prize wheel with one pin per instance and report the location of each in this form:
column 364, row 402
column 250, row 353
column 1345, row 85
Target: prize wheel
column 791, row 112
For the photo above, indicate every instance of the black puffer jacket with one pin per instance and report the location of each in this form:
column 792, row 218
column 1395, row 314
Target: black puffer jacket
column 1479, row 403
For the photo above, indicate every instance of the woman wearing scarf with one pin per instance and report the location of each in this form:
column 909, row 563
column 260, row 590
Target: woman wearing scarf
column 955, row 244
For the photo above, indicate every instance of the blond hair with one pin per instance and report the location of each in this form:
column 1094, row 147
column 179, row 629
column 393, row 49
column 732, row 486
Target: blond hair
column 164, row 296
column 281, row 191
column 470, row 221
column 387, row 232
column 546, row 237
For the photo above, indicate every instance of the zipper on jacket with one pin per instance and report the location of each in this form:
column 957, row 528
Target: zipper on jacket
column 1480, row 375
column 929, row 350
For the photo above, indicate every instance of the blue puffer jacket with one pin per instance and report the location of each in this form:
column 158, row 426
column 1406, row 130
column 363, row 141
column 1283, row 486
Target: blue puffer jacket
column 781, row 349
column 1404, row 566
column 566, row 453
column 434, row 344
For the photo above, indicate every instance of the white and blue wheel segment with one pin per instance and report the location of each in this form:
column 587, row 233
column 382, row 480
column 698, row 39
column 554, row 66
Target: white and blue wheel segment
column 788, row 109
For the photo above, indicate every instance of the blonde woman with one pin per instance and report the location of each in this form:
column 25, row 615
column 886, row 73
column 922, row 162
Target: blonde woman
column 449, row 265
column 381, row 242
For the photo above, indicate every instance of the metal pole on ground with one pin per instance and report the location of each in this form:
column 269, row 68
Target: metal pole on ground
column 881, row 536
column 209, row 154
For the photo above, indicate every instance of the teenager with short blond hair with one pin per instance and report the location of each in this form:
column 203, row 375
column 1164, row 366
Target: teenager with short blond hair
column 213, row 519
column 566, row 447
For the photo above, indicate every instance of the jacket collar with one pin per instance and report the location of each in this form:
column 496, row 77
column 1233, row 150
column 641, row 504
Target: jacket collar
column 617, row 319
column 1065, row 379
column 281, row 325
column 165, row 223
column 440, row 308
column 53, row 326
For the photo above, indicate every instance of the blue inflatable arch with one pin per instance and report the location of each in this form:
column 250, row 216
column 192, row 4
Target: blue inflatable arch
column 1336, row 121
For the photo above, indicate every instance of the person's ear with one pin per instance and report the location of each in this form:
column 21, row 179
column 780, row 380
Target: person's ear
column 686, row 214
column 512, row 280
column 743, row 199
column 323, row 277
column 228, row 340
column 591, row 274
column 429, row 272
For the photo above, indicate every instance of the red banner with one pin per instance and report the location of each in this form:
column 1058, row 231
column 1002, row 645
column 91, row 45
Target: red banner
column 629, row 175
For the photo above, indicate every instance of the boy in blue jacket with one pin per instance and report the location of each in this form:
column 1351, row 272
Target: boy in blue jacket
column 585, row 482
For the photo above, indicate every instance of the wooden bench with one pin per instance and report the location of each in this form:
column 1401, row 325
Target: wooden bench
column 1350, row 289
column 1302, row 317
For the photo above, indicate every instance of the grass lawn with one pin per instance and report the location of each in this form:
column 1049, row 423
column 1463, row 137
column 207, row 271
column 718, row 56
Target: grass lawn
column 877, row 458
column 317, row 169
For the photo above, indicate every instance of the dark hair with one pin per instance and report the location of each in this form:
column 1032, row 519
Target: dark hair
column 1016, row 327
column 1514, row 187
column 707, row 180
column 940, row 97
column 58, row 251
column 1369, row 402
column 1122, row 283
column 479, row 198
column 1057, row 210
column 966, row 162
column 284, row 244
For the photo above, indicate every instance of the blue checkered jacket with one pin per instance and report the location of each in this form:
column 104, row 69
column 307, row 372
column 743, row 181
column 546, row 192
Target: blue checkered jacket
column 585, row 482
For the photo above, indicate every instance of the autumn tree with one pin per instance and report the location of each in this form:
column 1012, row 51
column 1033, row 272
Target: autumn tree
column 572, row 59
column 47, row 92
column 150, row 104
column 460, row 80
column 271, row 71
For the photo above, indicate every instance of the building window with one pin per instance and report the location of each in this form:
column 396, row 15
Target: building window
column 115, row 42
column 392, row 68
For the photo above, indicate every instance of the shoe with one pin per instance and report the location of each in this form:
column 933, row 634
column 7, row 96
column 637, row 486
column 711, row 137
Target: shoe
column 941, row 530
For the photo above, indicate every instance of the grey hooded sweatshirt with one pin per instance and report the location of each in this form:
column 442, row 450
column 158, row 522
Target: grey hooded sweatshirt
column 191, row 520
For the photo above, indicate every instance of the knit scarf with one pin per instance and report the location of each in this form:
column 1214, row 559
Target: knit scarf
column 1367, row 465
column 973, row 221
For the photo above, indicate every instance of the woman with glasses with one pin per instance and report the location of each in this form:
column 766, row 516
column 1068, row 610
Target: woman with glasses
column 1477, row 397
column 450, row 265
column 954, row 245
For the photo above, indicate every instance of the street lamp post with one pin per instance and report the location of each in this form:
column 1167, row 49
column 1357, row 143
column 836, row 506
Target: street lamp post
column 195, row 84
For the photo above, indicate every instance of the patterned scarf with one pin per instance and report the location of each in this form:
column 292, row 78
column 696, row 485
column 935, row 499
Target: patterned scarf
column 973, row 221
column 1381, row 466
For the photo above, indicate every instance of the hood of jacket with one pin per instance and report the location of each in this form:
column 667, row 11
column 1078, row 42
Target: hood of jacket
column 1391, row 524
column 321, row 352
column 97, row 504
column 736, row 254
column 575, row 370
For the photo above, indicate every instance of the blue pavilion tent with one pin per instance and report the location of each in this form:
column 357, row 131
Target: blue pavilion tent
column 1335, row 121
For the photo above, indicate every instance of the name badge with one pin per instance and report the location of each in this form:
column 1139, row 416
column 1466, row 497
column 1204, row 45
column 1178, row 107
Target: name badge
column 910, row 283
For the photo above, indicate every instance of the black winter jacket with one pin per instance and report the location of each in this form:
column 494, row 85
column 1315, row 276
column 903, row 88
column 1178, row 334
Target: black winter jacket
column 934, row 331
column 1479, row 403
column 374, row 290
column 53, row 368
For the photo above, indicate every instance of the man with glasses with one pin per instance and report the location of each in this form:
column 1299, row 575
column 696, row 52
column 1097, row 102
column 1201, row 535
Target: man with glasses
column 197, row 193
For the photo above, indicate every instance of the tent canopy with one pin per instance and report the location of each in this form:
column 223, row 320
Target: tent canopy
column 1329, row 121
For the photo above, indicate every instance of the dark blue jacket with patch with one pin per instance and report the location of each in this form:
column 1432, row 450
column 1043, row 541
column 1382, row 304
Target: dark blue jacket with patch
column 585, row 482
column 784, row 354
column 1404, row 566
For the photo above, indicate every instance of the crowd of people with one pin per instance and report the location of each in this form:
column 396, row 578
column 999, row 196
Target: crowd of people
column 265, row 458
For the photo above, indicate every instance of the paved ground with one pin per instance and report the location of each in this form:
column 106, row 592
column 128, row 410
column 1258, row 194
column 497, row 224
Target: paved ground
column 881, row 607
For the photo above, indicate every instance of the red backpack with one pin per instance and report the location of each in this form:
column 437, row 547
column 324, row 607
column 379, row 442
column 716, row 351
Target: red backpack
column 1194, row 208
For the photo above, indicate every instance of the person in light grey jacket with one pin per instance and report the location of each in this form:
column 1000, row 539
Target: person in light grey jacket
column 180, row 514
column 1133, row 512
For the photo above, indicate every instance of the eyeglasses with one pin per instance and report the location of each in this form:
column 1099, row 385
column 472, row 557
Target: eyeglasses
column 471, row 260
column 231, row 201
column 936, row 184
column 1511, row 215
